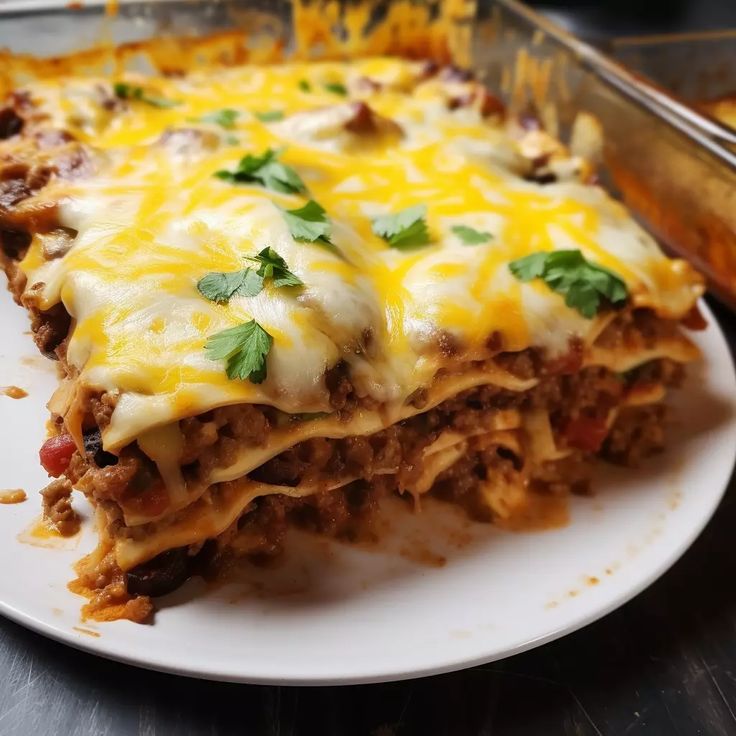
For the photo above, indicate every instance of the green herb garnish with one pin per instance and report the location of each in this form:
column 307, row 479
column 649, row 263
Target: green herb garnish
column 273, row 266
column 125, row 91
column 471, row 236
column 405, row 229
column 244, row 348
column 269, row 116
column 267, row 170
column 583, row 284
column 337, row 88
column 224, row 118
column 309, row 223
column 221, row 287
column 304, row 85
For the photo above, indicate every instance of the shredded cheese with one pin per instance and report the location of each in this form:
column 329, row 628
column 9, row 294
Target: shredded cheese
column 153, row 220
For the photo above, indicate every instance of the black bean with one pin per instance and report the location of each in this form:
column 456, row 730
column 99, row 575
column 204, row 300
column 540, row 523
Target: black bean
column 161, row 575
column 10, row 123
column 94, row 451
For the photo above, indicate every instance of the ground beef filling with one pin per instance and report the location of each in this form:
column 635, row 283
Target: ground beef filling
column 213, row 439
column 57, row 507
column 374, row 466
column 637, row 434
column 387, row 462
column 348, row 513
column 50, row 328
column 42, row 155
column 109, row 591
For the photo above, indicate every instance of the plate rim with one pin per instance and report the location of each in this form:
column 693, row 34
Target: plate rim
column 577, row 621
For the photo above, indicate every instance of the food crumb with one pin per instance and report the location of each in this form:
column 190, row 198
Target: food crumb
column 592, row 580
column 33, row 361
column 422, row 555
column 15, row 495
column 14, row 392
column 89, row 632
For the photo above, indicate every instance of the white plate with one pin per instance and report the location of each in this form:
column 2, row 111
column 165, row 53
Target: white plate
column 333, row 614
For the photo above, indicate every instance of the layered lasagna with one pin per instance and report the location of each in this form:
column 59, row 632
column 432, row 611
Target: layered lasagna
column 278, row 294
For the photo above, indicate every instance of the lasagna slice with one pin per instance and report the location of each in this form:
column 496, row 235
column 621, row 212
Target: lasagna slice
column 277, row 294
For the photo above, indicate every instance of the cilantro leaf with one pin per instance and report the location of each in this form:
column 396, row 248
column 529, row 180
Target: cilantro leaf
column 567, row 272
column 221, row 287
column 225, row 118
column 471, row 236
column 252, row 283
column 125, row 91
column 273, row 266
column 585, row 298
column 309, row 223
column 337, row 88
column 530, row 267
column 405, row 229
column 244, row 348
column 269, row 116
column 304, row 85
column 267, row 170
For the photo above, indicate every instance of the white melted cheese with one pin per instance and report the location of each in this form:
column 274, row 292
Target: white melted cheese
column 153, row 220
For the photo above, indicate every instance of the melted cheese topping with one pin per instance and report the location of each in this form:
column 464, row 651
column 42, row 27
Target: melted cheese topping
column 153, row 220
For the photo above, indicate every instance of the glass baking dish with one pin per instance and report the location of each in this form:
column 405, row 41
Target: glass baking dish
column 695, row 67
column 674, row 168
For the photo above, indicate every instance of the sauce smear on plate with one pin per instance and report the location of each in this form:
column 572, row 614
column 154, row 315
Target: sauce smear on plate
column 15, row 495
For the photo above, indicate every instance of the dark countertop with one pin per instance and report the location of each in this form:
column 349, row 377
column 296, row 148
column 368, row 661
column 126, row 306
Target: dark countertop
column 665, row 663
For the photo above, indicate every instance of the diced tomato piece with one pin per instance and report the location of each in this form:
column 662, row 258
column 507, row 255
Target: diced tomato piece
column 490, row 104
column 566, row 364
column 56, row 453
column 694, row 319
column 586, row 433
column 152, row 502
